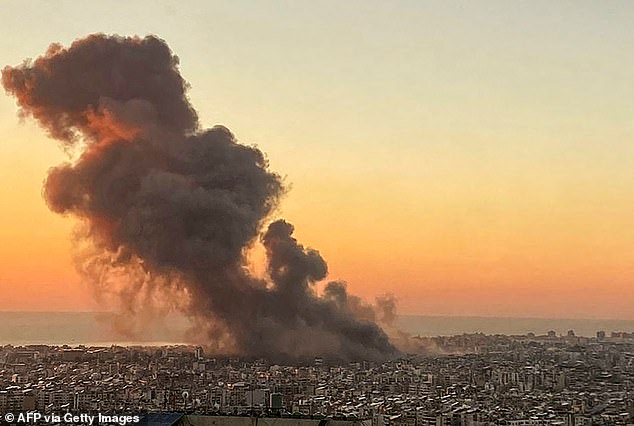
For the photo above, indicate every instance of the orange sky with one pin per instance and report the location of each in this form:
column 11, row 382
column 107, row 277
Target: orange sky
column 480, row 164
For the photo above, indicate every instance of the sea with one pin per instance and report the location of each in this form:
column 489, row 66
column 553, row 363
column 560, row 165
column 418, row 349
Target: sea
column 96, row 328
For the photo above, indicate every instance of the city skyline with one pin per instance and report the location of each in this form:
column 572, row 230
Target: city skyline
column 465, row 380
column 471, row 159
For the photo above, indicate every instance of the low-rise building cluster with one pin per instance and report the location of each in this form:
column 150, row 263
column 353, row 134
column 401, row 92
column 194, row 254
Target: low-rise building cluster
column 466, row 380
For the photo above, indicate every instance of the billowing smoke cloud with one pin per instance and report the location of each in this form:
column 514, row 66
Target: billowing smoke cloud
column 168, row 208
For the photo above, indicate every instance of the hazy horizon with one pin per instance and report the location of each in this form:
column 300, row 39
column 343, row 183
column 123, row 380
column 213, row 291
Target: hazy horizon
column 86, row 328
column 554, row 318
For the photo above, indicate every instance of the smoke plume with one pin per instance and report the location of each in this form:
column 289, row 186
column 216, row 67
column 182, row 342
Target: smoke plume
column 168, row 209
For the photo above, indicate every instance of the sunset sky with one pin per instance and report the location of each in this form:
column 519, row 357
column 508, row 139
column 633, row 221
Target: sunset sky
column 473, row 158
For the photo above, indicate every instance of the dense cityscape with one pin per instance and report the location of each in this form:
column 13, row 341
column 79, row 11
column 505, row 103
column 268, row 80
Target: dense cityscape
column 470, row 380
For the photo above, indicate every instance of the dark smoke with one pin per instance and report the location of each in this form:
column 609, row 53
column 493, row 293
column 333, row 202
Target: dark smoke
column 170, row 209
